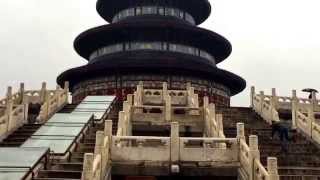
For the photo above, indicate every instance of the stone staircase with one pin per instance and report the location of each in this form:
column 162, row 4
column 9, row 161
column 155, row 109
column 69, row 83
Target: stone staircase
column 68, row 108
column 72, row 167
column 302, row 161
column 19, row 136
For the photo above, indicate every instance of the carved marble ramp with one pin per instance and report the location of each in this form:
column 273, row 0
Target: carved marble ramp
column 302, row 161
column 19, row 163
column 71, row 166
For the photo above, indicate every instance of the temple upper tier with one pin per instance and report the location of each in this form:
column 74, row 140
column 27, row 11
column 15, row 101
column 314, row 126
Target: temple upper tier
column 152, row 41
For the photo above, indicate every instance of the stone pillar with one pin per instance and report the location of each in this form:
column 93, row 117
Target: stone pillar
column 206, row 115
column 99, row 142
column 121, row 124
column 212, row 117
column 174, row 142
column 140, row 93
column 273, row 168
column 26, row 112
column 48, row 107
column 9, row 92
column 130, row 99
column 252, row 94
column 66, row 89
column 310, row 120
column 9, row 108
column 274, row 99
column 108, row 129
column 105, row 157
column 261, row 100
column 87, row 166
column 205, row 102
column 168, row 108
column 164, row 90
column 240, row 131
column 43, row 92
column 188, row 86
column 253, row 154
column 66, row 86
column 220, row 124
column 314, row 100
column 294, row 108
column 21, row 100
column 190, row 97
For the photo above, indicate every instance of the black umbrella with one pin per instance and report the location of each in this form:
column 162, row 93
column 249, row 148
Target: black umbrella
column 309, row 90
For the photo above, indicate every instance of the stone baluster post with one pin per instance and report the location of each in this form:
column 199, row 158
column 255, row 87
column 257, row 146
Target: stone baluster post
column 57, row 95
column 206, row 115
column 43, row 92
column 188, row 86
column 21, row 91
column 274, row 99
column 108, row 129
column 174, row 142
column 47, row 108
column 220, row 125
column 130, row 99
column 261, row 100
column 205, row 102
column 240, row 132
column 66, row 90
column 164, row 90
column 212, row 118
column 314, row 101
column 191, row 102
column 87, row 166
column 168, row 108
column 252, row 94
column 105, row 156
column 294, row 109
column 273, row 168
column 140, row 93
column 310, row 120
column 99, row 142
column 98, row 149
column 9, row 109
column 108, row 135
column 121, row 124
column 253, row 154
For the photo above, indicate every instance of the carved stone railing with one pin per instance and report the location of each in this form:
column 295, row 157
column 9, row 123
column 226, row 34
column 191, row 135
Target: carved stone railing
column 174, row 149
column 305, row 123
column 140, row 148
column 209, row 150
column 53, row 102
column 13, row 118
column 14, row 108
column 249, row 159
column 303, row 111
column 158, row 96
column 285, row 102
column 213, row 122
column 264, row 106
column 97, row 165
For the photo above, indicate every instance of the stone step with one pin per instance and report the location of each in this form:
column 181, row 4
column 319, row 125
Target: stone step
column 55, row 179
column 69, row 166
column 60, row 174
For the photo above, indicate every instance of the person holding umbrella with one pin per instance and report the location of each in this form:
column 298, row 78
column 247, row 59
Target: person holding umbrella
column 309, row 90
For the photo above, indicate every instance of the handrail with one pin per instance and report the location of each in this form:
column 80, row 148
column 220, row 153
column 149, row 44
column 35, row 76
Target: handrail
column 260, row 172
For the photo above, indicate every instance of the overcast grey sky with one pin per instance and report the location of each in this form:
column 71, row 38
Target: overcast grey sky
column 276, row 43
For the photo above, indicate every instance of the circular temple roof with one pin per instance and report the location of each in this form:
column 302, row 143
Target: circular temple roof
column 199, row 9
column 153, row 30
column 153, row 63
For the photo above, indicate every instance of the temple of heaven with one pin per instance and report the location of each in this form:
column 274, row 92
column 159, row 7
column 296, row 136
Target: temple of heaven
column 153, row 41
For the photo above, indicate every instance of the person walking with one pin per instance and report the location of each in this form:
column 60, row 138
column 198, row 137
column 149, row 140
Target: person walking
column 282, row 129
